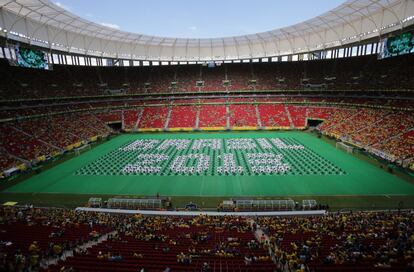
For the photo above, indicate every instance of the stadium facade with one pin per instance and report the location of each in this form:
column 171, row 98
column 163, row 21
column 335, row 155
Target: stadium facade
column 42, row 23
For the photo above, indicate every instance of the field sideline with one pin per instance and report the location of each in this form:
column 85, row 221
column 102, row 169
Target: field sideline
column 361, row 178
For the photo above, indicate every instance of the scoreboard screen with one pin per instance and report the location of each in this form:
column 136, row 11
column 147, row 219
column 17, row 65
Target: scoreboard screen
column 29, row 58
column 397, row 45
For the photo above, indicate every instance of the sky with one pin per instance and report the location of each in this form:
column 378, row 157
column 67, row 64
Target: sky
column 197, row 18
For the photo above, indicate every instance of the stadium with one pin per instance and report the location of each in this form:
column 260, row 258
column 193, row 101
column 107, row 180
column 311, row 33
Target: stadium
column 290, row 149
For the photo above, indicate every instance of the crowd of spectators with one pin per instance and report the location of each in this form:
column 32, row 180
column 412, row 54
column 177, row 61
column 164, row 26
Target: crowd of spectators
column 354, row 241
column 213, row 116
column 243, row 115
column 273, row 115
column 130, row 118
column 359, row 73
column 183, row 116
column 153, row 117
column 202, row 243
column 30, row 236
column 25, row 141
column 383, row 130
column 391, row 132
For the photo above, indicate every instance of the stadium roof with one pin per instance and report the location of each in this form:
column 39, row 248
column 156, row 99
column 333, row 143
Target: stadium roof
column 42, row 23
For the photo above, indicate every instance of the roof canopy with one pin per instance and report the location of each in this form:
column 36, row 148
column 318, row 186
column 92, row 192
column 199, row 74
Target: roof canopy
column 43, row 23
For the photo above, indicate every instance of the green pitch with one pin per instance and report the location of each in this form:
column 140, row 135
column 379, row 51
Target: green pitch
column 216, row 164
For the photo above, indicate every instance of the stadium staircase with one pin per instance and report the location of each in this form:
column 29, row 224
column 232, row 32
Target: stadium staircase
column 53, row 261
column 123, row 120
column 370, row 125
column 334, row 125
column 289, row 117
column 167, row 120
column 38, row 139
column 259, row 121
column 5, row 152
column 138, row 119
column 394, row 136
column 100, row 121
column 159, row 259
column 227, row 116
column 197, row 123
column 75, row 136
column 306, row 114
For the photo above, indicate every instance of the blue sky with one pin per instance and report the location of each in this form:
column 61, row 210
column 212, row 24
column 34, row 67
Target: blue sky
column 197, row 18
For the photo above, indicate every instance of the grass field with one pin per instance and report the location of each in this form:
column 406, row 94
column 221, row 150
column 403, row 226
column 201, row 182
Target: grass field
column 317, row 170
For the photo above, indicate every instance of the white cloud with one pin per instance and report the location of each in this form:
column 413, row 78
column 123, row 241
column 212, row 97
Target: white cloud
column 193, row 28
column 110, row 25
column 59, row 4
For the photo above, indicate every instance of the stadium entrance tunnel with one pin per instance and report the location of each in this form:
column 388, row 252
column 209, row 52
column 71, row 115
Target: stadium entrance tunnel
column 117, row 126
column 314, row 122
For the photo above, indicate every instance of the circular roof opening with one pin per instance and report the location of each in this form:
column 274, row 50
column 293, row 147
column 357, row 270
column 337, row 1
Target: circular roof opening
column 197, row 19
